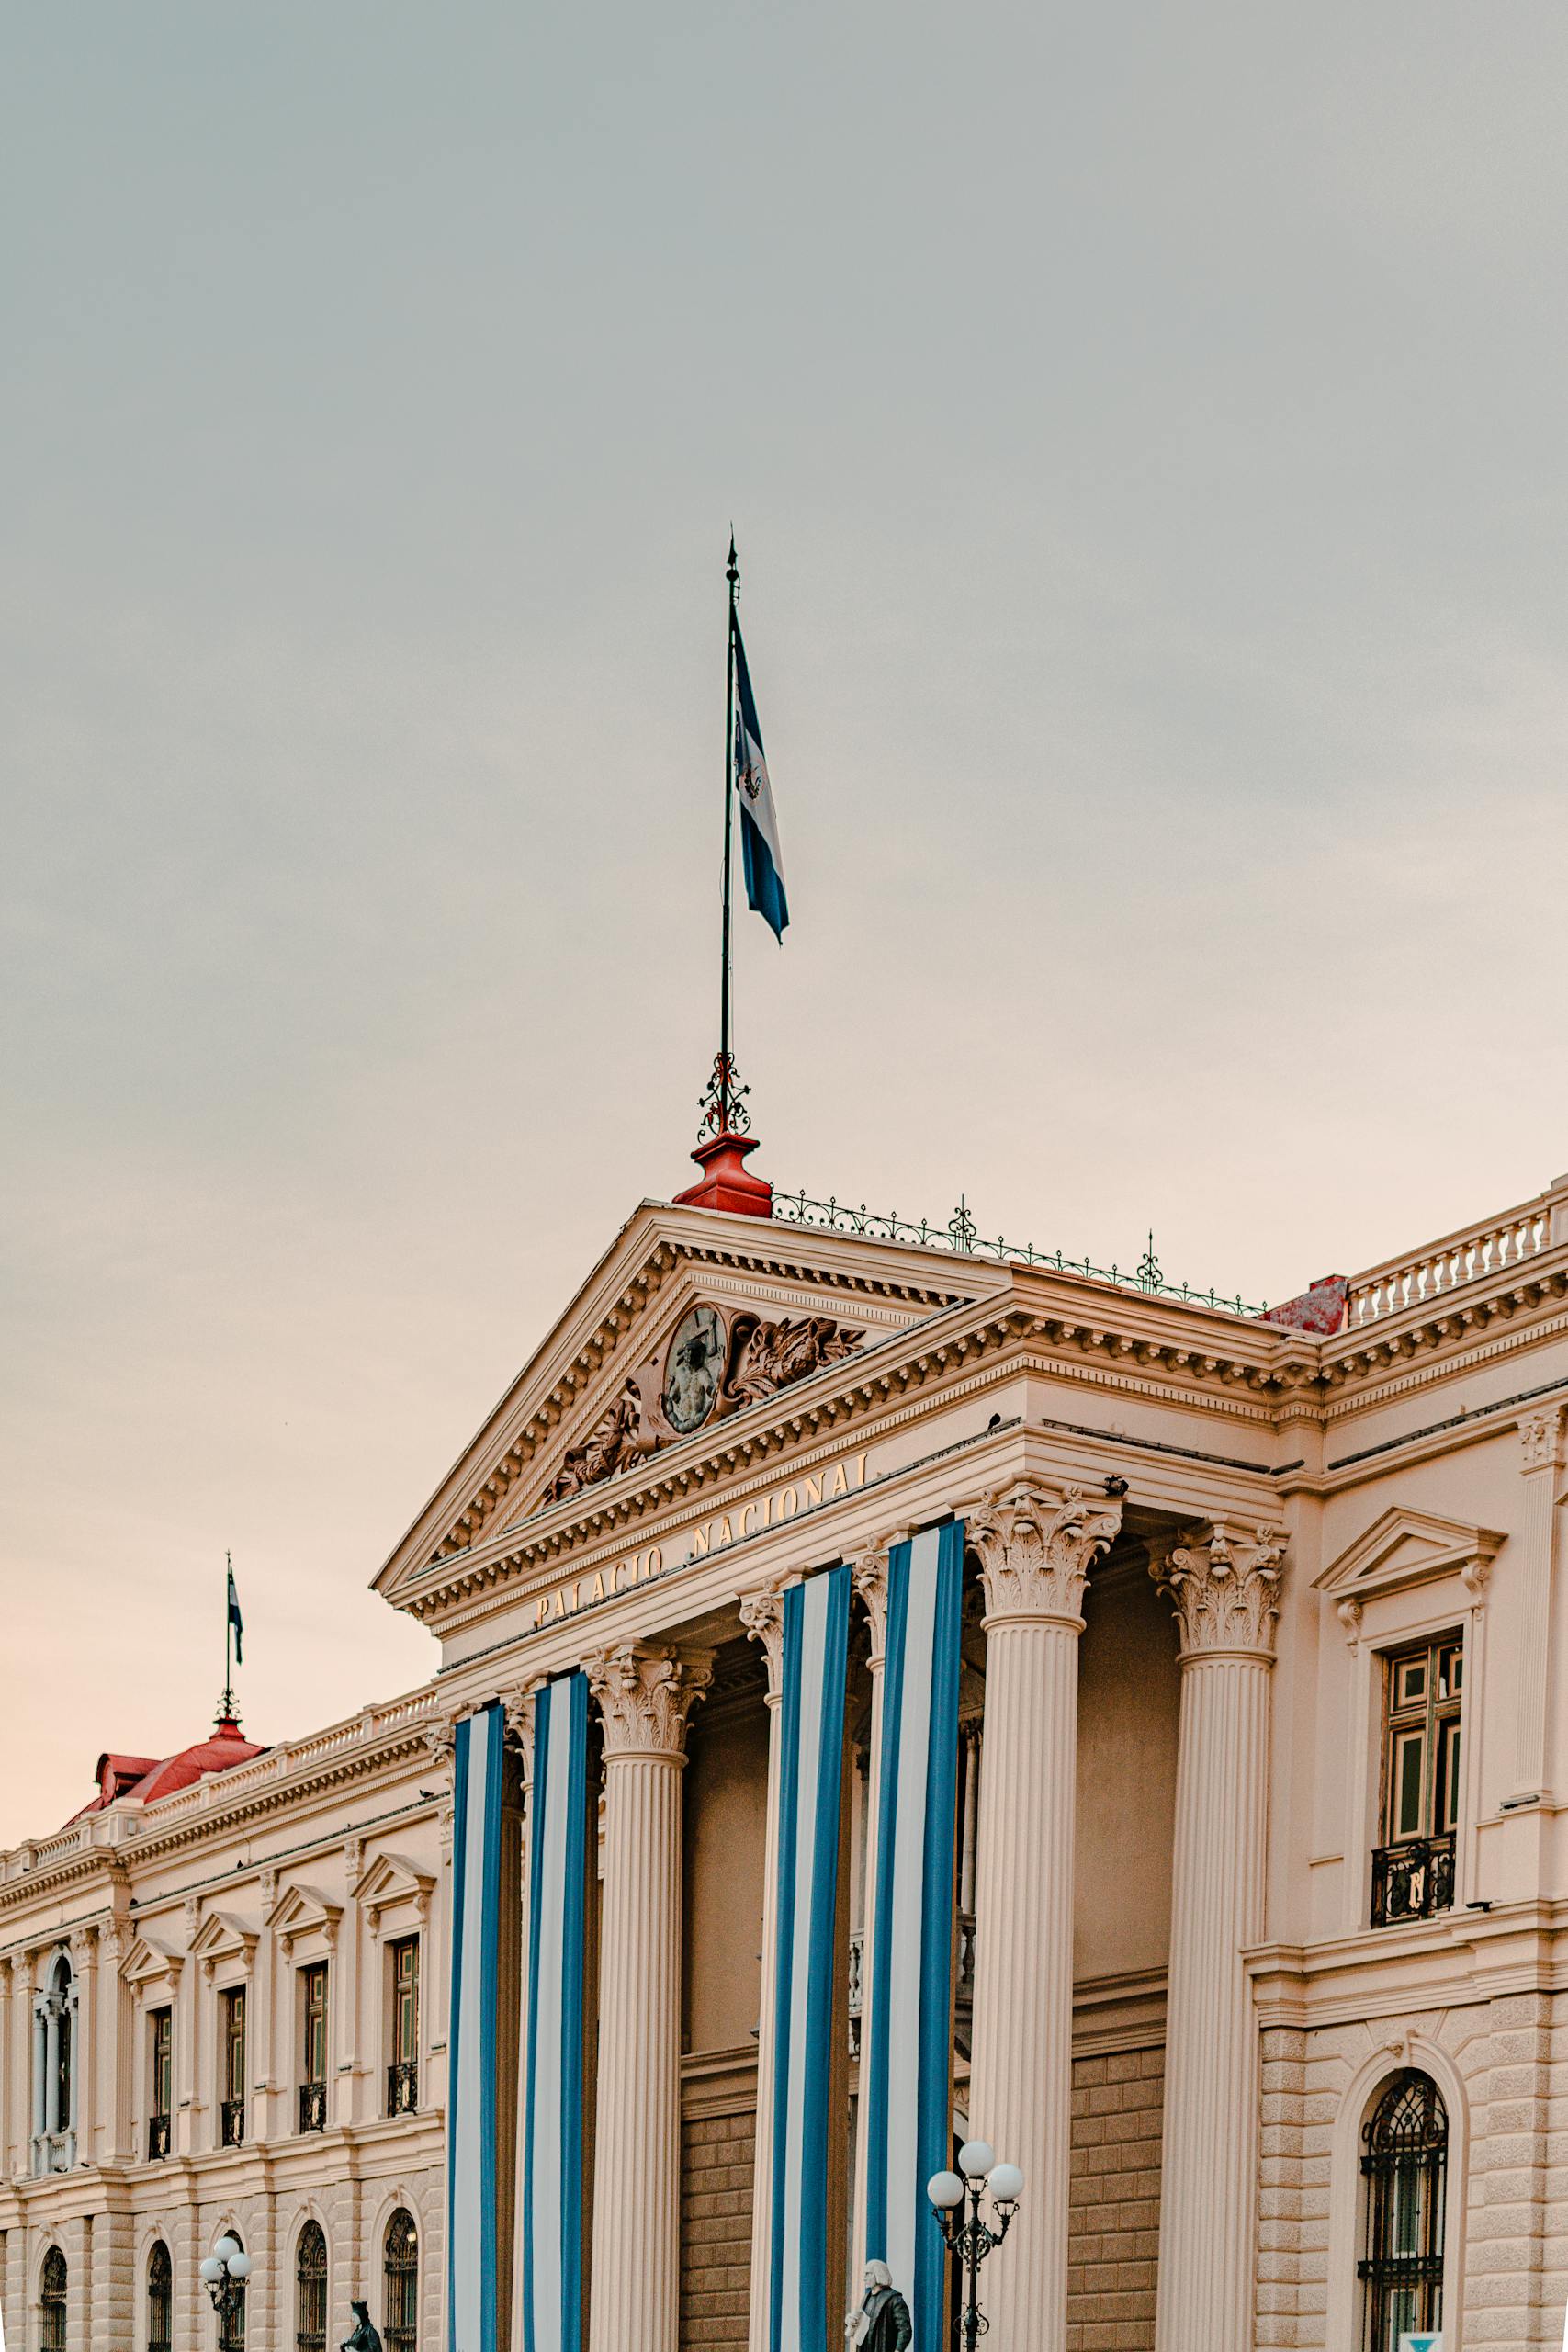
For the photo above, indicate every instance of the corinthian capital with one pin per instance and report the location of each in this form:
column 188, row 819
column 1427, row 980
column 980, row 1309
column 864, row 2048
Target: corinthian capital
column 1225, row 1589
column 868, row 1574
column 517, row 1707
column 761, row 1613
column 1036, row 1547
column 1539, row 1437
column 646, row 1696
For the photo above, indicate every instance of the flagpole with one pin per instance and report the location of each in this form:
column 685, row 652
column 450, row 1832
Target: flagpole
column 726, row 985
column 228, row 1642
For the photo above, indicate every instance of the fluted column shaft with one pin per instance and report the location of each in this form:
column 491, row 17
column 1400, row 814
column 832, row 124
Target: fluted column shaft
column 644, row 1699
column 1224, row 1589
column 1036, row 1549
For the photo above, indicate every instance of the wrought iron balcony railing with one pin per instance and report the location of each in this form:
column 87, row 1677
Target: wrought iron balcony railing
column 312, row 2107
column 157, row 2137
column 231, row 2122
column 1413, row 1881
column 402, row 2087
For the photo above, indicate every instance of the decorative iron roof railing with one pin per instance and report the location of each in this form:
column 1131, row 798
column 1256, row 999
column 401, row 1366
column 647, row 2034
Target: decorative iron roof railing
column 960, row 1238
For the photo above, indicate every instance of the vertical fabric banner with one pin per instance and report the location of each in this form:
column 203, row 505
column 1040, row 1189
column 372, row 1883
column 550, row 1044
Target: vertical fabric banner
column 552, row 2099
column 811, row 1763
column 909, row 2041
column 472, row 2275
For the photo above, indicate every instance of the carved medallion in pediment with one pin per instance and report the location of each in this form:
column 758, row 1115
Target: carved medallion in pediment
column 718, row 1363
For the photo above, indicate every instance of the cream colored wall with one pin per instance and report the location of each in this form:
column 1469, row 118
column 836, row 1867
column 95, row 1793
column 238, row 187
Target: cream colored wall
column 1128, row 1699
column 726, row 1824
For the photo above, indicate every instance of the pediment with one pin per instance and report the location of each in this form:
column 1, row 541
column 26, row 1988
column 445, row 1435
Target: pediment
column 300, row 1911
column 149, row 1964
column 601, row 1394
column 1404, row 1548
column 391, row 1882
column 224, row 1935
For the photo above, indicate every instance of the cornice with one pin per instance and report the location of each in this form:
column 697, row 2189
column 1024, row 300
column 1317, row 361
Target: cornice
column 1364, row 1354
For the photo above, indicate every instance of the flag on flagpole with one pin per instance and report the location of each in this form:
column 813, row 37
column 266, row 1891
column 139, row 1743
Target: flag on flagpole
column 235, row 1620
column 760, row 849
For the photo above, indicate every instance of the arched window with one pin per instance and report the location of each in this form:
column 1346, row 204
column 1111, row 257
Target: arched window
column 1407, row 2165
column 402, row 2331
column 52, row 2298
column 310, row 2289
column 160, row 2298
column 231, row 2326
column 54, row 2118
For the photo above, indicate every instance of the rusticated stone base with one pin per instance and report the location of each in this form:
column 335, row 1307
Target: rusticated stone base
column 715, row 2230
column 1113, row 2224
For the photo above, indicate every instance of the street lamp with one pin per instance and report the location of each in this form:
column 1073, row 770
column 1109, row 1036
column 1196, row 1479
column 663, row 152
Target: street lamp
column 224, row 2274
column 969, row 2237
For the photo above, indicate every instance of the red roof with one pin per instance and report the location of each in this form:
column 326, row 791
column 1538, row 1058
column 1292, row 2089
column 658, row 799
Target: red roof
column 149, row 1777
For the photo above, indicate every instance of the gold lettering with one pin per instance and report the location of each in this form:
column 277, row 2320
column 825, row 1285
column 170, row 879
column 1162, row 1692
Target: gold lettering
column 541, row 1608
column 768, row 1508
column 747, row 1510
column 789, row 1503
column 559, row 1608
column 813, row 1488
column 726, row 1532
column 841, row 1485
column 655, row 1559
column 702, row 1539
column 599, row 1585
column 860, row 1469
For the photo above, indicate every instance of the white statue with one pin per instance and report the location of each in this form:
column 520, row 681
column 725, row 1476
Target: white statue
column 882, row 2322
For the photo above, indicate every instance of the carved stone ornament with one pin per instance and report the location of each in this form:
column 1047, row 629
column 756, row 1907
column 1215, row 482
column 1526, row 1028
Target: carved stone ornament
column 517, row 1707
column 1225, row 1589
column 710, row 1370
column 440, row 1739
column 761, row 1613
column 1540, row 1434
column 646, row 1696
column 1036, row 1548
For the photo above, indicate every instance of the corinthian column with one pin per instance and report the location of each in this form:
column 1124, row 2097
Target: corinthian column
column 1224, row 1587
column 1036, row 1546
column 645, row 1697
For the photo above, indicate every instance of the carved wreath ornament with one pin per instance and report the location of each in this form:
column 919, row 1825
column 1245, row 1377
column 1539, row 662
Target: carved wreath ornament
column 710, row 1371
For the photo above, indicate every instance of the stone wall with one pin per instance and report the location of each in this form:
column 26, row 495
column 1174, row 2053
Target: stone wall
column 1113, row 2223
column 716, row 2230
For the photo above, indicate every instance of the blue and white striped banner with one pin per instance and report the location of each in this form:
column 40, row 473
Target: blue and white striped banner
column 811, row 1764
column 551, row 2216
column 909, row 2026
column 472, row 2290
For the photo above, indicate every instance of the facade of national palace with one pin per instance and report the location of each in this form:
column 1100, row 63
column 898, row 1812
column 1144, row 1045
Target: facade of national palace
column 886, row 1691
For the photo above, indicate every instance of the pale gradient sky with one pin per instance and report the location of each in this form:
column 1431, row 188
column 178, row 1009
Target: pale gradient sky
column 1144, row 429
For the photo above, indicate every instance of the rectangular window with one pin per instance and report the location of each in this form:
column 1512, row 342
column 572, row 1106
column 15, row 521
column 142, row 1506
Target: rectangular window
column 403, row 2073
column 160, row 2080
column 313, row 2048
column 1413, row 1870
column 232, row 2056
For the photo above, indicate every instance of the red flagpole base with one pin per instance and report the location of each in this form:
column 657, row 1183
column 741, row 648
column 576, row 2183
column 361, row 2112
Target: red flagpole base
column 725, row 1183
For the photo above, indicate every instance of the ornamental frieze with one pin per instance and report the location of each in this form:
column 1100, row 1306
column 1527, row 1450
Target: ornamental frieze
column 715, row 1364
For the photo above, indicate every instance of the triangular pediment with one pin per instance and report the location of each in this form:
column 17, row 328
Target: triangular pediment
column 224, row 1935
column 691, row 1320
column 392, row 1881
column 300, row 1911
column 149, row 1965
column 1406, row 1547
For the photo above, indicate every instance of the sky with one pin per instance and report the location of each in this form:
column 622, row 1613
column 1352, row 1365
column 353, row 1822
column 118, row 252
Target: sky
column 1143, row 434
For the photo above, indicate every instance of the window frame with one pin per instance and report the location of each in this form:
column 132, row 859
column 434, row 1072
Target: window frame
column 1424, row 2166
column 54, row 2333
column 154, row 2341
column 396, row 2055
column 398, row 2335
column 311, row 2338
column 234, row 2062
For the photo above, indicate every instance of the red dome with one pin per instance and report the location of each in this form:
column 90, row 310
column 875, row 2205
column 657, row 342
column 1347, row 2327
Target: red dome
column 148, row 1777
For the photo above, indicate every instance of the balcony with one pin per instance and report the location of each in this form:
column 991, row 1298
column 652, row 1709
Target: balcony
column 232, row 2123
column 312, row 2107
column 157, row 2137
column 403, row 2087
column 1414, row 1880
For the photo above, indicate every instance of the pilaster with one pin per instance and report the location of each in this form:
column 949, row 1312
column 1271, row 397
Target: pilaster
column 1036, row 1546
column 1541, row 1466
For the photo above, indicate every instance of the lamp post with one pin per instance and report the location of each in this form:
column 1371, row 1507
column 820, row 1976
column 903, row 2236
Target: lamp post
column 224, row 2274
column 966, row 2236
